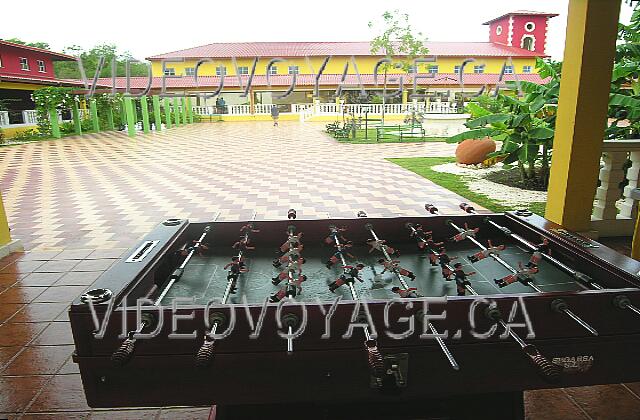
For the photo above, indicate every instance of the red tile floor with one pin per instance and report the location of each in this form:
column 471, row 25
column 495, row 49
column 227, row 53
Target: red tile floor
column 78, row 203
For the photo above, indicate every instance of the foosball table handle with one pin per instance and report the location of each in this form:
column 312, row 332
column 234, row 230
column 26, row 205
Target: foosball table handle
column 204, row 357
column 121, row 356
column 550, row 372
column 376, row 361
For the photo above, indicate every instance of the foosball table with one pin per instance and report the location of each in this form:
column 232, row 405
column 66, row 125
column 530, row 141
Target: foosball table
column 437, row 315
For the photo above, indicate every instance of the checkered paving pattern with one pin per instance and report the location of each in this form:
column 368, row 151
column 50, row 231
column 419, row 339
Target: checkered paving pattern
column 107, row 190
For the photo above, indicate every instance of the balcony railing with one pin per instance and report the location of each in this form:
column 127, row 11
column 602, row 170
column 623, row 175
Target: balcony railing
column 614, row 212
column 4, row 118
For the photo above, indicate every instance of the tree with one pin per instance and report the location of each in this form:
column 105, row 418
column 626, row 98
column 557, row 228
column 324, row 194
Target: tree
column 43, row 45
column 525, row 127
column 91, row 58
column 397, row 42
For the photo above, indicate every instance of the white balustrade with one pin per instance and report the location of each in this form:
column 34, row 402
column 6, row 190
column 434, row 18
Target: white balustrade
column 4, row 118
column 614, row 212
column 30, row 117
column 239, row 109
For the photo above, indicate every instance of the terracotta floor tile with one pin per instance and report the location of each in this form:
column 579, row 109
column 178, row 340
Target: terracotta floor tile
column 22, row 267
column 60, row 294
column 39, row 255
column 74, row 254
column 106, row 253
column 39, row 312
column 69, row 368
column 39, row 360
column 7, row 353
column 40, row 279
column 58, row 266
column 192, row 413
column 19, row 334
column 79, row 278
column 551, row 404
column 125, row 414
column 8, row 310
column 634, row 387
column 63, row 317
column 20, row 294
column 93, row 265
column 17, row 392
column 606, row 401
column 56, row 333
column 10, row 279
column 51, row 399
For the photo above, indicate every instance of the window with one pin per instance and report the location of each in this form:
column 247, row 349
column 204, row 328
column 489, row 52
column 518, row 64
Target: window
column 294, row 70
column 24, row 64
column 273, row 70
column 221, row 71
column 529, row 26
column 433, row 69
column 527, row 43
column 456, row 69
column 190, row 71
column 169, row 71
column 526, row 69
column 499, row 30
column 41, row 67
column 243, row 70
column 478, row 69
column 508, row 69
column 411, row 70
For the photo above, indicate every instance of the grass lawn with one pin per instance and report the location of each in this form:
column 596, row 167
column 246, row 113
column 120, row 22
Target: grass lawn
column 370, row 135
column 456, row 183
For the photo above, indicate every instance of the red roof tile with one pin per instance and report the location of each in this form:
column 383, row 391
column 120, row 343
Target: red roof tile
column 59, row 56
column 302, row 49
column 42, row 81
column 522, row 13
column 308, row 80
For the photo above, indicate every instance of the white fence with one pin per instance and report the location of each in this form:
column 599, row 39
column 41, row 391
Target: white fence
column 4, row 118
column 30, row 117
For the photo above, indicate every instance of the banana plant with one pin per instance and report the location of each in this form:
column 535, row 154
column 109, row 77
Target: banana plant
column 524, row 126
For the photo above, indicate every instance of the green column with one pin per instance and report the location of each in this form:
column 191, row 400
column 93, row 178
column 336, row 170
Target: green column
column 93, row 108
column 167, row 112
column 185, row 111
column 146, row 127
column 176, row 111
column 131, row 116
column 55, row 126
column 76, row 118
column 189, row 111
column 156, row 112
column 110, row 124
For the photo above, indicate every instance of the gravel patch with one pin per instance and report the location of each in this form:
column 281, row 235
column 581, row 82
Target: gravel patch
column 504, row 194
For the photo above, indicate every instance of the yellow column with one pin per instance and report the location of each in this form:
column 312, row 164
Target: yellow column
column 5, row 236
column 405, row 96
column 582, row 111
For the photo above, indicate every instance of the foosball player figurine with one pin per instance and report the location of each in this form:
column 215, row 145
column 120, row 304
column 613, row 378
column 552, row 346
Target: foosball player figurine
column 495, row 250
column 236, row 266
column 248, row 228
column 377, row 245
column 465, row 234
column 346, row 277
column 243, row 244
column 354, row 271
column 292, row 242
column 330, row 240
column 523, row 275
column 541, row 248
column 291, row 289
column 336, row 256
column 461, row 278
column 295, row 264
column 411, row 292
column 394, row 266
column 444, row 260
column 277, row 262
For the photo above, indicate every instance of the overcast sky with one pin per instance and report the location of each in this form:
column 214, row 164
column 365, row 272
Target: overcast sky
column 149, row 28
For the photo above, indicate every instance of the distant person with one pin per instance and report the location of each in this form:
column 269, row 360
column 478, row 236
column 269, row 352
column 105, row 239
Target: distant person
column 223, row 105
column 275, row 114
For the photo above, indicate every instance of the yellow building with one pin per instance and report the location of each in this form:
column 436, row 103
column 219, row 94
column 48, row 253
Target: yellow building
column 259, row 72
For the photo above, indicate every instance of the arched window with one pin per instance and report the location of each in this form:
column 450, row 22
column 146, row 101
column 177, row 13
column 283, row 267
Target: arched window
column 527, row 43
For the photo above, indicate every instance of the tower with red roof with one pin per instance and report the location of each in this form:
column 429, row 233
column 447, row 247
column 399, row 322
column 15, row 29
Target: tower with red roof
column 522, row 29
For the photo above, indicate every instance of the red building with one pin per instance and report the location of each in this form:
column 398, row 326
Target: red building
column 24, row 69
column 522, row 29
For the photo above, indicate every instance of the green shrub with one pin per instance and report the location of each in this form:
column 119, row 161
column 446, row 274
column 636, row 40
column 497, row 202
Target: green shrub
column 26, row 135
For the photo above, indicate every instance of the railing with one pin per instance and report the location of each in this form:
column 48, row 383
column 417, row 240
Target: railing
column 4, row 118
column 239, row 109
column 30, row 117
column 614, row 212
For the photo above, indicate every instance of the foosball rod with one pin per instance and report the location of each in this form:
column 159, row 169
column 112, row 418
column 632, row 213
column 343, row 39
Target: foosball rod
column 291, row 230
column 387, row 257
column 620, row 301
column 376, row 360
column 582, row 278
column 205, row 353
column 122, row 355
column 433, row 251
column 452, row 361
column 558, row 305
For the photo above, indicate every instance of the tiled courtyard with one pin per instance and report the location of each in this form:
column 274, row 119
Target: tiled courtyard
column 78, row 203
